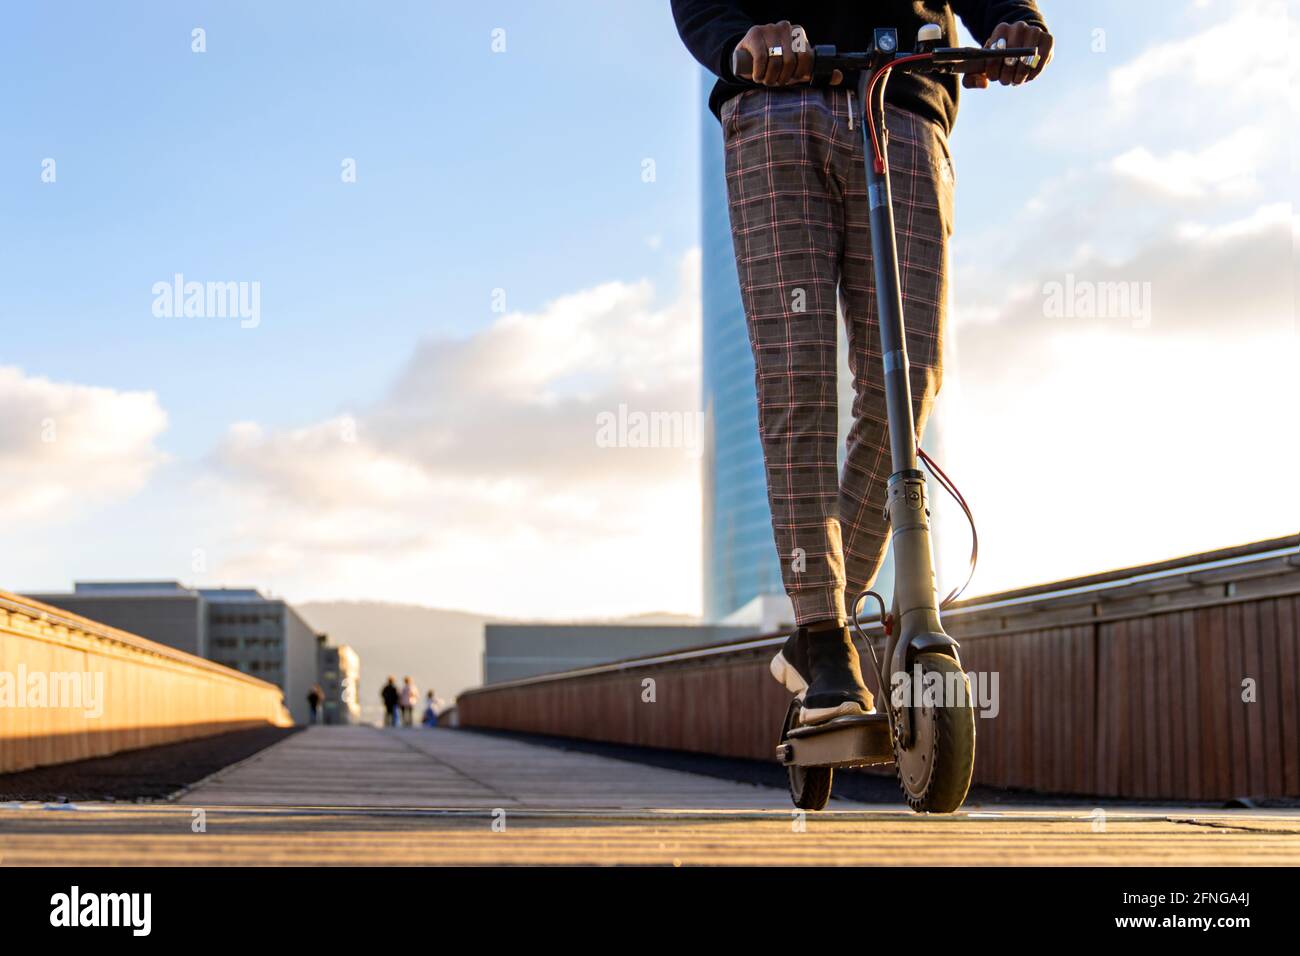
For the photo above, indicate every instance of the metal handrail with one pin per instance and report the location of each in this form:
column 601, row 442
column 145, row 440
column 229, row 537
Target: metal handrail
column 991, row 603
column 1113, row 581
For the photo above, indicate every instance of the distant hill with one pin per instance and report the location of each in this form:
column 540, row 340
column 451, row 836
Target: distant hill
column 439, row 649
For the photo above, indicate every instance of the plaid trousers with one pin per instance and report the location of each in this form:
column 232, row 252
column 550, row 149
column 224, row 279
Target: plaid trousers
column 797, row 197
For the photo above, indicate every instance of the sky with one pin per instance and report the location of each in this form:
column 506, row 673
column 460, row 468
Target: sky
column 473, row 230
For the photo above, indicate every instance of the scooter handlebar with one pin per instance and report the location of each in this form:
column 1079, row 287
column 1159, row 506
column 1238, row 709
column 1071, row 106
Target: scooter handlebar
column 826, row 60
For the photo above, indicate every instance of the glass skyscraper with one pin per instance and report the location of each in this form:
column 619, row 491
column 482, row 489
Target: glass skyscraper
column 740, row 561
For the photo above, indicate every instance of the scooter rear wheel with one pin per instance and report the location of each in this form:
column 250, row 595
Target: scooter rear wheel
column 935, row 769
column 810, row 787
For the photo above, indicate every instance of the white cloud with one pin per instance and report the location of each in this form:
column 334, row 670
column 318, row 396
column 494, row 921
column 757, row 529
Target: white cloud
column 1216, row 281
column 1240, row 58
column 64, row 446
column 1227, row 168
column 477, row 481
column 323, row 465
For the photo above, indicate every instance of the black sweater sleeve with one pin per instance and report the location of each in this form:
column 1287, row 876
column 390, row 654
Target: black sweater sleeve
column 981, row 16
column 711, row 29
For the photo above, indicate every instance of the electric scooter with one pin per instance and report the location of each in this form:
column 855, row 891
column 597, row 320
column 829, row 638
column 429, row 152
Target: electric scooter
column 928, row 726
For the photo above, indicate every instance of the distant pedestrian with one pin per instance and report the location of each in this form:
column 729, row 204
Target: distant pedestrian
column 410, row 696
column 432, row 707
column 392, row 697
column 314, row 698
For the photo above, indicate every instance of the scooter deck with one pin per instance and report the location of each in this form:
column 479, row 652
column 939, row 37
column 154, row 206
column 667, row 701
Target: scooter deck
column 843, row 742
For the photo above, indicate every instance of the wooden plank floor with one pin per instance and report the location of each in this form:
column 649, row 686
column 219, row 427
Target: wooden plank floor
column 363, row 796
column 448, row 769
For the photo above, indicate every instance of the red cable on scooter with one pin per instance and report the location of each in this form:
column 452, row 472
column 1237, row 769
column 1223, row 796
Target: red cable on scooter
column 950, row 486
column 876, row 156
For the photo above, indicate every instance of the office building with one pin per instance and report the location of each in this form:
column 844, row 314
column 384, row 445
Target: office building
column 238, row 627
column 340, row 678
column 516, row 651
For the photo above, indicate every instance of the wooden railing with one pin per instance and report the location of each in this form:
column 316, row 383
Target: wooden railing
column 1177, row 681
column 72, row 688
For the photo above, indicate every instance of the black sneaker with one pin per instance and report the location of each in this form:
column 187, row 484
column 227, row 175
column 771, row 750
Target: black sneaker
column 821, row 668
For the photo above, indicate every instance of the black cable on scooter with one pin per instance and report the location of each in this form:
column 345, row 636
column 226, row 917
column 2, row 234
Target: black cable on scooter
column 951, row 487
column 884, row 623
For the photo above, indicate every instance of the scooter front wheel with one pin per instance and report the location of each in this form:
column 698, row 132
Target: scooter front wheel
column 935, row 769
column 810, row 787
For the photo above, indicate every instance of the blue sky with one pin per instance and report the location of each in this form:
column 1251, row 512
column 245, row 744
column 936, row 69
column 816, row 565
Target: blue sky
column 476, row 171
column 195, row 449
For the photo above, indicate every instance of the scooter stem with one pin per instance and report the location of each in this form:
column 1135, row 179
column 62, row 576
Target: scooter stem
column 889, row 298
column 916, row 599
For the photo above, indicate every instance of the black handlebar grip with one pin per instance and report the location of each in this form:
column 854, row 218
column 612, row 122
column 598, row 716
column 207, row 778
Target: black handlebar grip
column 742, row 63
column 976, row 65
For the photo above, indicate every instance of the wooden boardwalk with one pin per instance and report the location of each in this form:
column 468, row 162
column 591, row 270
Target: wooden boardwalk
column 357, row 795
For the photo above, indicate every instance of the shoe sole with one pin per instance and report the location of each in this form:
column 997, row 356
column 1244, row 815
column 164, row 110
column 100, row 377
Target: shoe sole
column 820, row 715
column 791, row 680
column 786, row 675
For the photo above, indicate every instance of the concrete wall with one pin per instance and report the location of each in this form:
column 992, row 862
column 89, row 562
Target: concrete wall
column 107, row 690
column 515, row 651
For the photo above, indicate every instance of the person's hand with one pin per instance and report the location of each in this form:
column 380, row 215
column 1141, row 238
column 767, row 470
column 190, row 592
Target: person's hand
column 1012, row 71
column 793, row 65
